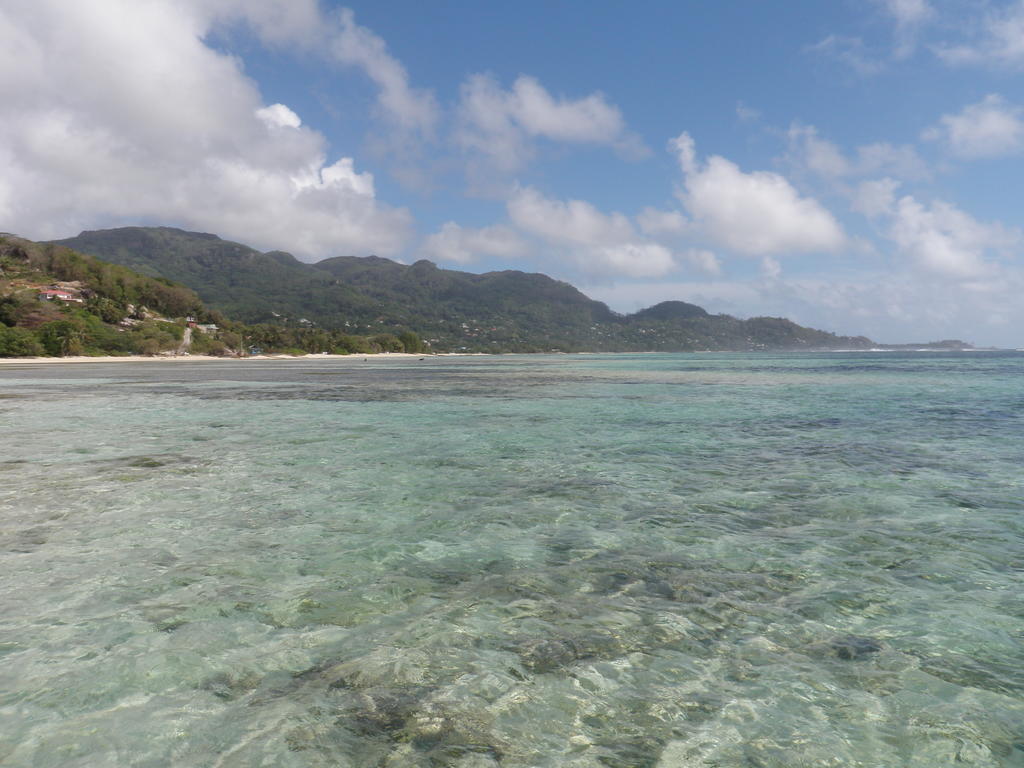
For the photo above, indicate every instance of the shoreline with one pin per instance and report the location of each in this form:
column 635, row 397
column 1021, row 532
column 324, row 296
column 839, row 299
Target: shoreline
column 212, row 359
column 6, row 361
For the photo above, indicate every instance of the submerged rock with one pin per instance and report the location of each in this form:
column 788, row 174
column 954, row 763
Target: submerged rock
column 600, row 644
column 387, row 709
column 381, row 668
column 546, row 654
column 854, row 647
column 145, row 462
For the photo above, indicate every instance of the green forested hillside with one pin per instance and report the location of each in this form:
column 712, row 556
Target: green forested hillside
column 496, row 311
column 57, row 302
column 239, row 281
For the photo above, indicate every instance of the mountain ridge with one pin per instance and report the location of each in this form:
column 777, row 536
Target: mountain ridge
column 500, row 311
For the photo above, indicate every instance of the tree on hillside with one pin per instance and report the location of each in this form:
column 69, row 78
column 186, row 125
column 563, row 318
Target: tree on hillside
column 18, row 342
column 63, row 337
column 411, row 341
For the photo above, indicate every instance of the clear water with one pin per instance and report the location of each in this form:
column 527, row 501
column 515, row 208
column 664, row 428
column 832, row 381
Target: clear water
column 592, row 561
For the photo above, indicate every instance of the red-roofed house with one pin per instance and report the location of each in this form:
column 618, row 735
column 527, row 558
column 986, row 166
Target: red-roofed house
column 51, row 293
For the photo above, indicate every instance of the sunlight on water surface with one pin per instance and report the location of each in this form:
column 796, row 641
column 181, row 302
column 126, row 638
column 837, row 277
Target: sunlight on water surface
column 592, row 561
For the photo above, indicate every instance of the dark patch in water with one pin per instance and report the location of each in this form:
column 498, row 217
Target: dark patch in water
column 960, row 501
column 449, row 754
column 547, row 654
column 634, row 751
column 28, row 540
column 145, row 462
column 1005, row 677
column 228, row 688
column 387, row 709
column 854, row 647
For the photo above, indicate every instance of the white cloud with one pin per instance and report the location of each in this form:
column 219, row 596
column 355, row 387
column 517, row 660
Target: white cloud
column 990, row 128
column 938, row 238
column 1000, row 41
column 276, row 22
column 746, row 114
column 876, row 197
column 333, row 35
column 908, row 16
column 756, row 214
column 597, row 242
column 770, row 268
column 907, row 12
column 703, row 260
column 87, row 141
column 820, row 156
column 575, row 222
column 637, row 259
column 808, row 151
column 410, row 108
column 901, row 161
column 278, row 116
column 501, row 125
column 655, row 222
column 945, row 240
column 464, row 245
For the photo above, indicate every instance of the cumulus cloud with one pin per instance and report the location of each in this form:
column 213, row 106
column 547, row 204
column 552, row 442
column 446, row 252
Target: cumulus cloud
column 907, row 12
column 576, row 221
column 464, row 245
column 598, row 242
column 808, row 152
column 945, row 240
column 703, row 261
column 990, row 128
column 87, row 141
column 295, row 21
column 501, row 125
column 936, row 237
column 756, row 214
column 999, row 41
column 410, row 108
column 655, row 222
column 278, row 116
column 908, row 16
column 900, row 160
column 876, row 197
column 811, row 152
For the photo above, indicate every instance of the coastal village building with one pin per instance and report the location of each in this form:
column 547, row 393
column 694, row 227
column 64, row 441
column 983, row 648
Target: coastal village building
column 54, row 294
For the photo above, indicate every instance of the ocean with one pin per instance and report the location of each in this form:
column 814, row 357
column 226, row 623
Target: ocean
column 592, row 561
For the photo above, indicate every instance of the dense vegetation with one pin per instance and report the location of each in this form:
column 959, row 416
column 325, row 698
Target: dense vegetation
column 113, row 310
column 507, row 311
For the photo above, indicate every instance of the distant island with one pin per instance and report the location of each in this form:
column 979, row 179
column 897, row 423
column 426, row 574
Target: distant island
column 158, row 290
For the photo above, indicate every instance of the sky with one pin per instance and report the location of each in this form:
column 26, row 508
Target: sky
column 854, row 165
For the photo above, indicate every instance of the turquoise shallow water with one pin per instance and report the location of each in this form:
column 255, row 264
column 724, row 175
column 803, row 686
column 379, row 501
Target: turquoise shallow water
column 592, row 561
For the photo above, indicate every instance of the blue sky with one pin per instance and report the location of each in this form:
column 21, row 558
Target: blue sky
column 852, row 165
